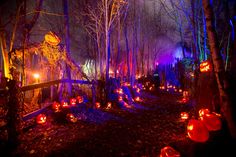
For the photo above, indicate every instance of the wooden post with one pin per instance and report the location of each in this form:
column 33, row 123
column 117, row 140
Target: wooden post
column 12, row 114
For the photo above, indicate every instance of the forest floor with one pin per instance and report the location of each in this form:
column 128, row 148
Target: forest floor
column 141, row 131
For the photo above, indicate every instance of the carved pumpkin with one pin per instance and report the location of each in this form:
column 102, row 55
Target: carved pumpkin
column 70, row 117
column 184, row 115
column 80, row 99
column 205, row 66
column 56, row 106
column 169, row 152
column 41, row 119
column 108, row 105
column 72, row 101
column 97, row 105
column 211, row 121
column 64, row 104
column 203, row 111
column 52, row 39
column 197, row 131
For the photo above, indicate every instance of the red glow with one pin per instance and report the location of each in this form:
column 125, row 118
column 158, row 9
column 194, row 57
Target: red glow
column 120, row 98
column 41, row 119
column 108, row 105
column 137, row 99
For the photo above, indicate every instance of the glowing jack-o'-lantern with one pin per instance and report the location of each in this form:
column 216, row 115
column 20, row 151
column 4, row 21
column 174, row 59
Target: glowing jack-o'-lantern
column 64, row 104
column 80, row 99
column 120, row 98
column 211, row 121
column 108, row 105
column 184, row 115
column 41, row 119
column 137, row 99
column 70, row 117
column 56, row 106
column 203, row 111
column 205, row 66
column 197, row 131
column 169, row 152
column 72, row 101
column 97, row 105
column 52, row 38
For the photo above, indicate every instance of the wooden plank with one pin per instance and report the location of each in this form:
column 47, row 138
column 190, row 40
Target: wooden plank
column 35, row 113
column 50, row 83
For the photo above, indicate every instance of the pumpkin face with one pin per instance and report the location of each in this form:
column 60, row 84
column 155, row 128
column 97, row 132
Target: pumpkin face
column 203, row 111
column 80, row 99
column 52, row 39
column 205, row 66
column 56, row 106
column 197, row 131
column 70, row 117
column 169, row 152
column 41, row 119
column 211, row 121
column 72, row 101
column 108, row 105
column 64, row 104
column 184, row 115
column 97, row 105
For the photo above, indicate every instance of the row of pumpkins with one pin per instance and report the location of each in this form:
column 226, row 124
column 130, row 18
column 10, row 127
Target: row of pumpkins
column 197, row 129
column 57, row 107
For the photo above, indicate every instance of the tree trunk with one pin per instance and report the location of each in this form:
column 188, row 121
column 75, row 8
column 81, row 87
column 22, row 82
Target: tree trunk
column 222, row 82
column 67, row 41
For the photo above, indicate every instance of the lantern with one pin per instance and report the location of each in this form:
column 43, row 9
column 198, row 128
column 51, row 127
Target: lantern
column 108, row 105
column 184, row 100
column 197, row 131
column 138, row 90
column 72, row 101
column 180, row 90
column 41, row 119
column 56, row 106
column 70, row 117
column 97, row 105
column 211, row 121
column 80, row 99
column 203, row 111
column 64, row 104
column 169, row 152
column 185, row 94
column 205, row 66
column 184, row 115
column 126, row 105
column 52, row 39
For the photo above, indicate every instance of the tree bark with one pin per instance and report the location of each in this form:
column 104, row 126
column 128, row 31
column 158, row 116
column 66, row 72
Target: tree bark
column 222, row 82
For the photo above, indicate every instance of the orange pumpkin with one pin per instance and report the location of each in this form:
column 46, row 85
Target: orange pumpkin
column 56, row 106
column 72, row 101
column 205, row 66
column 80, row 99
column 52, row 39
column 184, row 115
column 41, row 119
column 197, row 131
column 211, row 121
column 70, row 117
column 97, row 105
column 64, row 104
column 203, row 111
column 169, row 152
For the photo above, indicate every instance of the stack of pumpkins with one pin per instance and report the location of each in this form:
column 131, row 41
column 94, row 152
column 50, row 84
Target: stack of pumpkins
column 198, row 129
